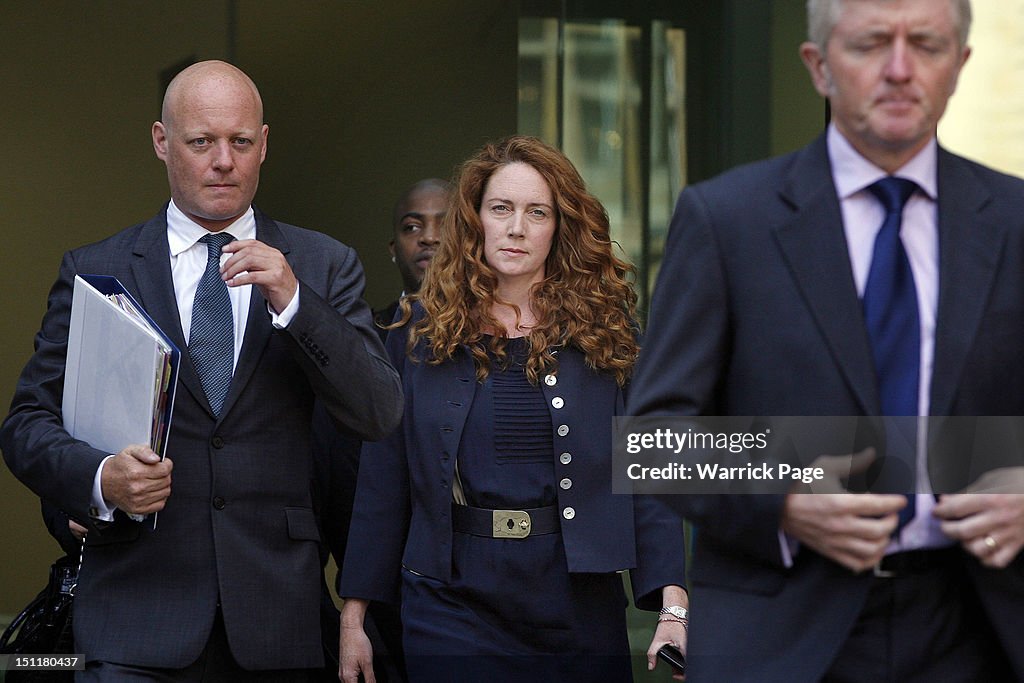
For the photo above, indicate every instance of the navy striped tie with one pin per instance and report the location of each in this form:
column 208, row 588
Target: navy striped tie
column 891, row 315
column 211, row 340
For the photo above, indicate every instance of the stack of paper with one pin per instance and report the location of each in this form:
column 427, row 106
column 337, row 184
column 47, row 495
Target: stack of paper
column 121, row 370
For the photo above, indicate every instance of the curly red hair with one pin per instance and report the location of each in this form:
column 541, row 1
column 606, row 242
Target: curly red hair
column 585, row 299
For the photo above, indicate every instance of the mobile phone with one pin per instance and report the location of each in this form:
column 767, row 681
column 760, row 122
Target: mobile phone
column 675, row 658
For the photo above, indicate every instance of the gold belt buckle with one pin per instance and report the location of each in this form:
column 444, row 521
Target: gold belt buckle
column 510, row 524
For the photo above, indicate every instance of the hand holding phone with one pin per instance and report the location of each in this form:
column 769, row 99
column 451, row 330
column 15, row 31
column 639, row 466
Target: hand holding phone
column 674, row 658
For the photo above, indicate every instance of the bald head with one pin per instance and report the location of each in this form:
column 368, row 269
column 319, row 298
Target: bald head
column 213, row 140
column 193, row 81
column 431, row 187
column 417, row 225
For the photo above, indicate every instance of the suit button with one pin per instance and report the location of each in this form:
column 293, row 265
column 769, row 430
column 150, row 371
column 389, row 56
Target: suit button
column 557, row 402
column 563, row 430
column 550, row 380
column 218, row 503
column 566, row 483
column 565, row 458
column 568, row 513
column 217, row 442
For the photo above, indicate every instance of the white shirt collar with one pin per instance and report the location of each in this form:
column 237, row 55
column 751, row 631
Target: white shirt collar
column 183, row 232
column 853, row 173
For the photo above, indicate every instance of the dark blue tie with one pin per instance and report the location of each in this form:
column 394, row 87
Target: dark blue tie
column 891, row 315
column 211, row 340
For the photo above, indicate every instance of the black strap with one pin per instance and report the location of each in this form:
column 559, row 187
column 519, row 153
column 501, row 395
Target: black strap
column 480, row 521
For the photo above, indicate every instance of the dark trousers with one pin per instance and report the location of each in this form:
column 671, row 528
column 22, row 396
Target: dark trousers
column 216, row 664
column 926, row 625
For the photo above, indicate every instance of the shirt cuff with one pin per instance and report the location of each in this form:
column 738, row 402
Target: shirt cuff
column 283, row 319
column 788, row 547
column 99, row 508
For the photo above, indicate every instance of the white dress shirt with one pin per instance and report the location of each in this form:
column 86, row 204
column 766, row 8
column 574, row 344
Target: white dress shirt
column 863, row 216
column 188, row 263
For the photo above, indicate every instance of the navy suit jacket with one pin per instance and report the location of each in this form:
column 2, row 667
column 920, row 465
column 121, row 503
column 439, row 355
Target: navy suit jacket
column 238, row 527
column 403, row 499
column 756, row 313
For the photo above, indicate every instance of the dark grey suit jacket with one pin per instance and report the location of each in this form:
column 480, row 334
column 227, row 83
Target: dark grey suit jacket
column 756, row 313
column 238, row 527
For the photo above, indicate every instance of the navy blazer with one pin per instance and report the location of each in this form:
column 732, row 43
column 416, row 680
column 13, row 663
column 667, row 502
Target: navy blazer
column 238, row 530
column 756, row 313
column 404, row 495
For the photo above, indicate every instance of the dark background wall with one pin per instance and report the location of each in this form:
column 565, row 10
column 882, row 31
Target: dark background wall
column 363, row 98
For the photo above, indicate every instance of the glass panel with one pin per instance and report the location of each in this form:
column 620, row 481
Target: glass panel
column 602, row 124
column 668, row 136
column 629, row 146
column 538, row 78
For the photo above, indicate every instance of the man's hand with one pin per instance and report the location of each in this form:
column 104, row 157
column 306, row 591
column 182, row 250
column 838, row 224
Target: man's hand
column 988, row 516
column 136, row 480
column 255, row 263
column 852, row 529
column 77, row 530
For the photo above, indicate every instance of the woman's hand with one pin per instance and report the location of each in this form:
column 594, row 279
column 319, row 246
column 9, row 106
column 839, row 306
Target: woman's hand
column 355, row 654
column 667, row 633
column 671, row 629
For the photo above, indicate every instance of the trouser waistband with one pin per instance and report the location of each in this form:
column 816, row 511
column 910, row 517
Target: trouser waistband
column 915, row 562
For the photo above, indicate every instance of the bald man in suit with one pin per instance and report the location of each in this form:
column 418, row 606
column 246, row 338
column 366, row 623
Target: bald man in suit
column 228, row 585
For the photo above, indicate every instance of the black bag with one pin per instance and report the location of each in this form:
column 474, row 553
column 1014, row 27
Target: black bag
column 44, row 627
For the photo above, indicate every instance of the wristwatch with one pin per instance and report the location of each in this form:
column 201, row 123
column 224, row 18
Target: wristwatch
column 676, row 611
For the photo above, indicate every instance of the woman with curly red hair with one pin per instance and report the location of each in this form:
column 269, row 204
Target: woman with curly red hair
column 491, row 509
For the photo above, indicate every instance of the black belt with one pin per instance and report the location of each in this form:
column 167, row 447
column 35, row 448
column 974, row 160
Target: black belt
column 505, row 523
column 913, row 562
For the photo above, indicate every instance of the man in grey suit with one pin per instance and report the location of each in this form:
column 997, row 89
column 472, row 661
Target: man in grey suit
column 227, row 586
column 767, row 306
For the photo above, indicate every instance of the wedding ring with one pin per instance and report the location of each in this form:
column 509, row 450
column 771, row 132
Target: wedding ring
column 990, row 542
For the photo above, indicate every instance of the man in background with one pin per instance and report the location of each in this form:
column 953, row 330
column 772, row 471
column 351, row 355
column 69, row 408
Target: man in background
column 417, row 232
column 268, row 317
column 870, row 273
column 416, row 226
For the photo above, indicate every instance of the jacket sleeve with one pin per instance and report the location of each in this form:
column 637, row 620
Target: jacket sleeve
column 37, row 448
column 660, row 551
column 341, row 354
column 382, row 509
column 683, row 364
column 660, row 546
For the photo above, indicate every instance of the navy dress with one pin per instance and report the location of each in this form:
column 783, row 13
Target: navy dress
column 512, row 611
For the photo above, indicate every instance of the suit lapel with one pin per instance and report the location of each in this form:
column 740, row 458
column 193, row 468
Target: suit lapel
column 151, row 268
column 258, row 327
column 969, row 249
column 814, row 247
